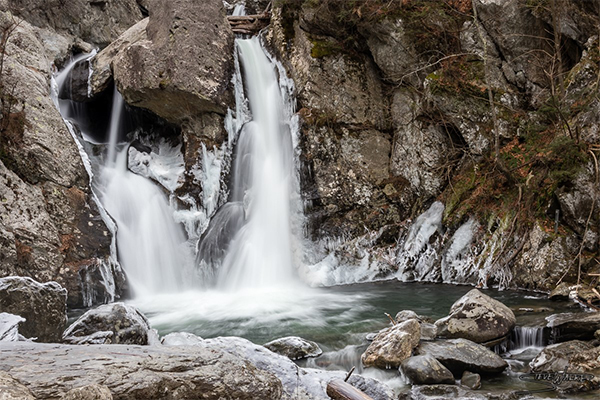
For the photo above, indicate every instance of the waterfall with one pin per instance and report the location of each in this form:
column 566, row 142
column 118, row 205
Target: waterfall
column 250, row 243
column 149, row 245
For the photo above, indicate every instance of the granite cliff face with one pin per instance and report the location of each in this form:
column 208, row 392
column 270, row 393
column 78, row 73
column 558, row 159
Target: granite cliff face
column 395, row 102
column 51, row 228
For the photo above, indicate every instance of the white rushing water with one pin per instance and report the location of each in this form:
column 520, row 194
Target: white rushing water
column 250, row 243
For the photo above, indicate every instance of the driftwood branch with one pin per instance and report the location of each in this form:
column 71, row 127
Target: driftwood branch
column 337, row 389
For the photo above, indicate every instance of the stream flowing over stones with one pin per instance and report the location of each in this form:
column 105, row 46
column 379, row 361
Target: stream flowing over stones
column 189, row 212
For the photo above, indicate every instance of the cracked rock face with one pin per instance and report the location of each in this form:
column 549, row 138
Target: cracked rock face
column 477, row 317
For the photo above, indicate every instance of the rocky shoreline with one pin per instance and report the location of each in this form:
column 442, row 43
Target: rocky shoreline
column 112, row 349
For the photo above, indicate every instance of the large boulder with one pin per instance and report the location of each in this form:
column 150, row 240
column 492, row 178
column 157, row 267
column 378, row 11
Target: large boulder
column 138, row 372
column 393, row 345
column 426, row 370
column 573, row 326
column 294, row 347
column 460, row 355
column 43, row 305
column 116, row 323
column 477, row 317
column 163, row 72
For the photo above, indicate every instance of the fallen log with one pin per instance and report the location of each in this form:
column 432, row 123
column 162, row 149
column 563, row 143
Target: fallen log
column 243, row 31
column 337, row 389
column 246, row 18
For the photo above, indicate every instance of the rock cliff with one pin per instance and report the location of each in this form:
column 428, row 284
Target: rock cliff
column 486, row 106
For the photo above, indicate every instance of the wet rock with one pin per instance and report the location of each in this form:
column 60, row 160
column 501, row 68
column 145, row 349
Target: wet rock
column 9, row 327
column 181, row 339
column 575, row 357
column 405, row 315
column 557, row 357
column 98, row 22
column 441, row 392
column 138, row 372
column 11, row 389
column 459, row 355
column 89, row 392
column 428, row 330
column 393, row 345
column 573, row 326
column 561, row 292
column 116, row 323
column 425, row 370
column 294, row 347
column 304, row 383
column 162, row 73
column 517, row 33
column 477, row 317
column 470, row 380
column 44, row 306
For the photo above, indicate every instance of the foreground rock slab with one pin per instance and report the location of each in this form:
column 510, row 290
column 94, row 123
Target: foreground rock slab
column 477, row 317
column 43, row 305
column 460, row 355
column 137, row 372
column 116, row 323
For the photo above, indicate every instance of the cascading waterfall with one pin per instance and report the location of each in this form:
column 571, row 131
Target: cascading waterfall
column 250, row 242
column 150, row 246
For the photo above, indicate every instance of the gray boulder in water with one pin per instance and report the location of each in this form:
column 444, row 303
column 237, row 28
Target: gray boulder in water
column 116, row 323
column 460, row 355
column 43, row 305
column 393, row 345
column 426, row 370
column 294, row 347
column 476, row 317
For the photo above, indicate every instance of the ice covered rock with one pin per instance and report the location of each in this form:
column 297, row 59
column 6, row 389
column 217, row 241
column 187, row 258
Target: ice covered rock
column 294, row 347
column 116, row 323
column 9, row 327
